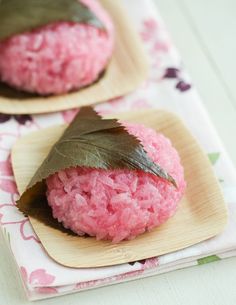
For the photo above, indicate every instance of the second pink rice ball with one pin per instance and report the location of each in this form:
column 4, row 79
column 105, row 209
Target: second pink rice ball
column 59, row 57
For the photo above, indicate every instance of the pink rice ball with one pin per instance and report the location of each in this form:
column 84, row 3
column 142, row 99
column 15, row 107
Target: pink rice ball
column 118, row 204
column 59, row 57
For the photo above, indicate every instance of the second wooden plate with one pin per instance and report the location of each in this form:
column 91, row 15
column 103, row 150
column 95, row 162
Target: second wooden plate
column 127, row 69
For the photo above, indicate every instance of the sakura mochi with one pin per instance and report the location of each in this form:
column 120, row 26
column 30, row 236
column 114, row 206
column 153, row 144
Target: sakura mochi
column 59, row 57
column 119, row 204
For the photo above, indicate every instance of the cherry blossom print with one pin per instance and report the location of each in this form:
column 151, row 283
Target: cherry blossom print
column 150, row 263
column 107, row 280
column 129, row 274
column 151, row 34
column 11, row 216
column 68, row 115
column 145, row 264
column 21, row 123
column 21, row 119
column 40, row 279
column 150, row 28
column 6, row 167
column 161, row 46
column 140, row 103
column 153, row 262
column 89, row 284
column 24, row 274
column 183, row 86
column 8, row 185
column 175, row 73
column 166, row 86
column 157, row 45
column 171, row 73
column 116, row 101
column 46, row 290
column 27, row 232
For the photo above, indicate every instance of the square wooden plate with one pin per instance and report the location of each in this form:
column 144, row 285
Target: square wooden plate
column 127, row 69
column 201, row 214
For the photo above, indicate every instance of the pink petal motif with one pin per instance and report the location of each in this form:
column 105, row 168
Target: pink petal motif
column 88, row 284
column 140, row 103
column 46, row 290
column 8, row 186
column 161, row 46
column 40, row 277
column 93, row 283
column 24, row 275
column 68, row 115
column 151, row 263
column 6, row 168
column 182, row 86
column 128, row 275
column 9, row 215
column 27, row 232
column 171, row 73
column 151, row 24
column 150, row 28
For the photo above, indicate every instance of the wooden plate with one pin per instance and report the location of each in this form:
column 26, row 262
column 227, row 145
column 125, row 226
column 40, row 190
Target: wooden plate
column 127, row 69
column 201, row 215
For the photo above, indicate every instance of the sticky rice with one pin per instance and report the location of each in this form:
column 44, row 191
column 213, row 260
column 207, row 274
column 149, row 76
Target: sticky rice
column 59, row 57
column 118, row 204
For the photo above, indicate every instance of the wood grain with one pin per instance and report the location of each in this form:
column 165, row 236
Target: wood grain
column 127, row 69
column 201, row 215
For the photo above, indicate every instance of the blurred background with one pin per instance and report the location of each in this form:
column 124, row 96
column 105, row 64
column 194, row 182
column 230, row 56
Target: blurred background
column 204, row 32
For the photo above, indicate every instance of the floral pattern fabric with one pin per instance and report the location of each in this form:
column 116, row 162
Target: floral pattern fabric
column 168, row 86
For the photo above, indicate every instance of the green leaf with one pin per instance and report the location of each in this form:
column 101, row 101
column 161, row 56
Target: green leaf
column 208, row 259
column 92, row 142
column 18, row 16
column 213, row 157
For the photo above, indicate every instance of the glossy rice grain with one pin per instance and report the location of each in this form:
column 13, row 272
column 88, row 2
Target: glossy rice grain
column 118, row 204
column 59, row 57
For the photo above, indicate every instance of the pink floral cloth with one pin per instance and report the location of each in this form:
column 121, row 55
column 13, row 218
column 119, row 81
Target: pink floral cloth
column 169, row 87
